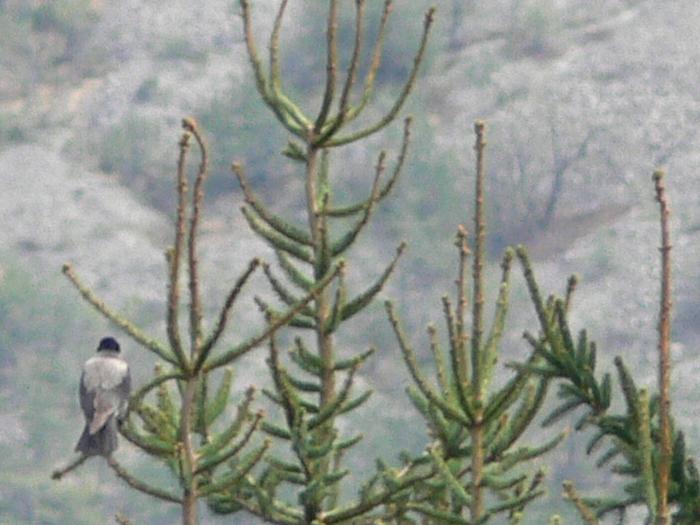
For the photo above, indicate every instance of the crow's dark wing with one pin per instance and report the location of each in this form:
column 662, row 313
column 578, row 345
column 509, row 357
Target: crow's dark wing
column 124, row 389
column 87, row 399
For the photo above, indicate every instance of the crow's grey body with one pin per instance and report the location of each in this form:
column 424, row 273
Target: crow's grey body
column 104, row 393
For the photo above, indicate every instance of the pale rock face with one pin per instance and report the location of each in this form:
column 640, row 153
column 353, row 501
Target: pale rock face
column 57, row 213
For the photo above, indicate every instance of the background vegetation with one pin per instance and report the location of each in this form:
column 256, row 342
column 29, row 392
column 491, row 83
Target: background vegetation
column 549, row 77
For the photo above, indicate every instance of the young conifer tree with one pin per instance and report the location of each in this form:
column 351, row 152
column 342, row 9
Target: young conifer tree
column 184, row 426
column 642, row 443
column 303, row 484
column 476, row 430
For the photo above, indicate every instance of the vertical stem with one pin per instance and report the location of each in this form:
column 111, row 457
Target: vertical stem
column 461, row 338
column 197, row 202
column 319, row 235
column 175, row 255
column 477, row 438
column 324, row 340
column 477, row 430
column 331, row 65
column 479, row 232
column 189, row 462
column 664, row 355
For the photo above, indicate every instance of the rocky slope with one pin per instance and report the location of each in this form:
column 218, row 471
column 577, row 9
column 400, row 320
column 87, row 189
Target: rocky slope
column 608, row 91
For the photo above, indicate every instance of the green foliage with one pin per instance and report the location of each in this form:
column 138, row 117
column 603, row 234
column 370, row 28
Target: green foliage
column 305, row 64
column 475, row 431
column 314, row 395
column 475, row 470
column 182, row 427
column 631, row 438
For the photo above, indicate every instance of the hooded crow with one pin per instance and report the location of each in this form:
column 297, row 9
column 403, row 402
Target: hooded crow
column 104, row 395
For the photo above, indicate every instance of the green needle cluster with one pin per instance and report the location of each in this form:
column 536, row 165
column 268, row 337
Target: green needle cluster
column 476, row 429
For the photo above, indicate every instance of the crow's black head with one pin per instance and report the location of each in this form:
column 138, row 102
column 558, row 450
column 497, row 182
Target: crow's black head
column 108, row 343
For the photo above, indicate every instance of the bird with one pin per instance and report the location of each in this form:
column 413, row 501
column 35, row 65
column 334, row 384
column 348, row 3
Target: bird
column 105, row 385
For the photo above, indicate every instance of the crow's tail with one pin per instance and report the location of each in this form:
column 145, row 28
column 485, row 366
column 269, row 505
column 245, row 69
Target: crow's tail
column 102, row 443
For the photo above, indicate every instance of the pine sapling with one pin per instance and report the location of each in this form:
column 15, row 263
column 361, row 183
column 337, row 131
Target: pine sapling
column 184, row 427
column 642, row 443
column 303, row 486
column 476, row 430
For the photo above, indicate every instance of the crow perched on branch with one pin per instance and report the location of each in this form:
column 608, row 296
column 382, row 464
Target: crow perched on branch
column 104, row 394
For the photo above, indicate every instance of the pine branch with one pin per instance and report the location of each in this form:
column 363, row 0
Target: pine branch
column 275, row 239
column 352, row 209
column 458, row 361
column 276, row 324
column 403, row 480
column 130, row 329
column 441, row 370
column 192, row 260
column 342, row 244
column 293, row 273
column 478, row 261
column 370, row 77
column 331, row 65
column 175, row 255
column 338, row 121
column 243, row 468
column 209, row 463
column 585, row 512
column 425, row 387
column 275, row 81
column 282, row 292
column 292, row 121
column 403, row 95
column 59, row 473
column 358, row 303
column 122, row 520
column 664, row 347
column 218, row 330
column 140, row 485
column 220, row 440
column 277, row 223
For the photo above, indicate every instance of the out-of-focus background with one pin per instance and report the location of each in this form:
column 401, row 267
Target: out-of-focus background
column 583, row 100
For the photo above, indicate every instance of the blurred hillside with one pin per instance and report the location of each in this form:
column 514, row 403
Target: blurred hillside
column 583, row 100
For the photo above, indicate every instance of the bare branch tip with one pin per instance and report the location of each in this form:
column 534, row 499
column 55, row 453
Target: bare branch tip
column 189, row 124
